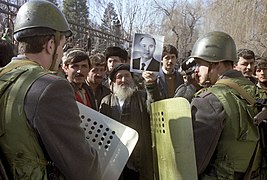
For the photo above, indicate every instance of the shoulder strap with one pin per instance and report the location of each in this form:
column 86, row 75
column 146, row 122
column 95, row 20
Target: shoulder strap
column 14, row 64
column 250, row 99
column 15, row 87
column 8, row 76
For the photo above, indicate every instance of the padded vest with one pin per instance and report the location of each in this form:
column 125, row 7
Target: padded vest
column 18, row 141
column 240, row 136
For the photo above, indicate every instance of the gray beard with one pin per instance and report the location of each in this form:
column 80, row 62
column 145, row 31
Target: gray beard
column 123, row 93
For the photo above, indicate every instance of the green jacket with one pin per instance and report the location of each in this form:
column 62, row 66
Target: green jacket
column 18, row 141
column 240, row 136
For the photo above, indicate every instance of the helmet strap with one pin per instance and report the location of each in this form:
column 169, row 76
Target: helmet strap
column 207, row 82
column 55, row 54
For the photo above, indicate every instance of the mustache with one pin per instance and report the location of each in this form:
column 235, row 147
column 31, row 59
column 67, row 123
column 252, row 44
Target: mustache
column 125, row 84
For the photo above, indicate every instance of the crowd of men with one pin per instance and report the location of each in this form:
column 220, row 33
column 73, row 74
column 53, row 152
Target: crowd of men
column 40, row 134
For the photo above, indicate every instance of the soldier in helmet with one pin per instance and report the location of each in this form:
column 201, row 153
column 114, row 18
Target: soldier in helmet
column 40, row 136
column 226, row 140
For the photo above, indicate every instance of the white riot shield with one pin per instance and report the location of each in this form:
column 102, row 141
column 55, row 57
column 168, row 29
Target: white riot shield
column 113, row 141
column 172, row 140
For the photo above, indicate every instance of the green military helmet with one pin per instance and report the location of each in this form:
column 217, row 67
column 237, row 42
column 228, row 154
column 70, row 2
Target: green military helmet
column 36, row 17
column 215, row 46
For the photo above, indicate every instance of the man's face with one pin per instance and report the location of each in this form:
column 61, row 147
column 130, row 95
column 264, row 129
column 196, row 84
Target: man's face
column 246, row 66
column 96, row 74
column 59, row 52
column 168, row 62
column 77, row 72
column 148, row 47
column 60, row 48
column 261, row 74
column 123, row 84
column 112, row 60
column 123, row 78
column 201, row 71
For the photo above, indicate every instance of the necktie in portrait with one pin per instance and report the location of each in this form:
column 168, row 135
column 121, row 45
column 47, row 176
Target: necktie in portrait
column 143, row 66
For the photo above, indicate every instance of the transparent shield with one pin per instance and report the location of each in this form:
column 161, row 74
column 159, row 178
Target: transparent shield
column 113, row 140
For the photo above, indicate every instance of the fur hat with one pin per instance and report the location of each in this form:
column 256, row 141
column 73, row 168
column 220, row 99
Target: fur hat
column 116, row 51
column 116, row 68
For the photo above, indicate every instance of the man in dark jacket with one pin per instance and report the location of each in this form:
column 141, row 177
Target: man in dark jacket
column 114, row 55
column 95, row 77
column 169, row 79
column 130, row 107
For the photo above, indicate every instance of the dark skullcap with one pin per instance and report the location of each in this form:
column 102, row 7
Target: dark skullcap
column 116, row 51
column 116, row 68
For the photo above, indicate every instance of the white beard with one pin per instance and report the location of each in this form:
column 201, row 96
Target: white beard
column 123, row 92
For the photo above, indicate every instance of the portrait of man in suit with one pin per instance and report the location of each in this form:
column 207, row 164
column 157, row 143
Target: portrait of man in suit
column 144, row 59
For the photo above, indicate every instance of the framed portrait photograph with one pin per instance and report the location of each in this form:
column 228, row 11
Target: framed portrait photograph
column 146, row 53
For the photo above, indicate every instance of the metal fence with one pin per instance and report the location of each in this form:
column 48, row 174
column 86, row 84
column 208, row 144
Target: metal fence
column 83, row 36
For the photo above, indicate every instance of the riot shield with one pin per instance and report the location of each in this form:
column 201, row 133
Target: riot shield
column 172, row 140
column 113, row 141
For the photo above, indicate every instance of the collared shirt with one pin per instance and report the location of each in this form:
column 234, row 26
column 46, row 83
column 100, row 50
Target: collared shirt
column 121, row 103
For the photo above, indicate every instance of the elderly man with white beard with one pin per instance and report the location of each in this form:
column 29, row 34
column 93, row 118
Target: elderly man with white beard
column 129, row 106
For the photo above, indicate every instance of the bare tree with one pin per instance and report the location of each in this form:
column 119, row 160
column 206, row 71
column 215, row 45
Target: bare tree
column 137, row 16
column 245, row 21
column 180, row 24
